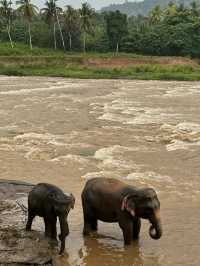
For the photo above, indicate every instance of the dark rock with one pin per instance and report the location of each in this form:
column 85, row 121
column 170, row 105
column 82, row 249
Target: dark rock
column 18, row 247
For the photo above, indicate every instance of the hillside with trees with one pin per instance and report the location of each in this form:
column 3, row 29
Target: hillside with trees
column 171, row 31
column 131, row 8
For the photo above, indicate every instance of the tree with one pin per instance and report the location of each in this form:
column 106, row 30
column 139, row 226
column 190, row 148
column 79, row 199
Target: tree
column 28, row 11
column 58, row 10
column 86, row 15
column 51, row 12
column 117, row 28
column 170, row 10
column 194, row 9
column 71, row 21
column 155, row 15
column 6, row 13
column 50, row 17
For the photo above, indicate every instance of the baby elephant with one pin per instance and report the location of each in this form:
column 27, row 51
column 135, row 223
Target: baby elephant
column 48, row 201
column 110, row 200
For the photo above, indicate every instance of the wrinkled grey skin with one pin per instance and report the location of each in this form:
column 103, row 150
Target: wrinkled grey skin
column 110, row 200
column 49, row 202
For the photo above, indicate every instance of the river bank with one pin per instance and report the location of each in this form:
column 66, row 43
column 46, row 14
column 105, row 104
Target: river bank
column 20, row 61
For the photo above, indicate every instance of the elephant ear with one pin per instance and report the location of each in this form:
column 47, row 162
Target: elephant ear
column 128, row 205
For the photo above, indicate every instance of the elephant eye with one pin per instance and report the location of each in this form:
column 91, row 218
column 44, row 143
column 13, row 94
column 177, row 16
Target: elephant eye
column 51, row 196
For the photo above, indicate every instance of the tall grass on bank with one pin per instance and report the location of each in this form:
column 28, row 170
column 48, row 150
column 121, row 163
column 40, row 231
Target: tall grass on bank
column 20, row 61
column 145, row 72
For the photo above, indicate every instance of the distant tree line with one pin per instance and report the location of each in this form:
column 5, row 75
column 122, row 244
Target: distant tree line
column 174, row 30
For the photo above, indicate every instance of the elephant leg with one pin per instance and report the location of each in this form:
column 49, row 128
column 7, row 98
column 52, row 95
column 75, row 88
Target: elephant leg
column 31, row 216
column 90, row 224
column 90, row 221
column 48, row 227
column 127, row 229
column 94, row 224
column 53, row 228
column 136, row 228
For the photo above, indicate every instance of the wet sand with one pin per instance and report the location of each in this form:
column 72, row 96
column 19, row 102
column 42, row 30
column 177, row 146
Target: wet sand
column 146, row 133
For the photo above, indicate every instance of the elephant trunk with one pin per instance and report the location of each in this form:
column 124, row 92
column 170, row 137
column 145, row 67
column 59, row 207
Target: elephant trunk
column 155, row 230
column 64, row 231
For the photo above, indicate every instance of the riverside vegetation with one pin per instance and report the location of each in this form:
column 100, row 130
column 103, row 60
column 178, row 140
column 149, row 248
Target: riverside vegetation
column 142, row 47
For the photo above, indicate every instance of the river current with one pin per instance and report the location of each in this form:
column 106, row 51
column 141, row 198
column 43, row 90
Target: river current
column 146, row 133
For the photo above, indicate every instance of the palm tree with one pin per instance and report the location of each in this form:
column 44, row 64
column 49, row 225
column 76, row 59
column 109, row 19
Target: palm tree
column 58, row 11
column 6, row 13
column 50, row 17
column 28, row 10
column 70, row 20
column 170, row 10
column 86, row 14
column 194, row 9
column 155, row 14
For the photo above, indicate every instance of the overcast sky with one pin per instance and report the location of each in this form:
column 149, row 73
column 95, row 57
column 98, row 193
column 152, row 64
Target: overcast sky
column 97, row 4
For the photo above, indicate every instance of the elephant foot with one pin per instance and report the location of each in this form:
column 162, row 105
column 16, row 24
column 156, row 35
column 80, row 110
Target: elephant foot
column 54, row 242
column 86, row 232
column 89, row 232
column 135, row 237
column 90, row 227
column 86, row 229
column 127, row 242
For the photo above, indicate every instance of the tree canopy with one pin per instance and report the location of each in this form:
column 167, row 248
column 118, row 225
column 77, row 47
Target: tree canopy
column 172, row 30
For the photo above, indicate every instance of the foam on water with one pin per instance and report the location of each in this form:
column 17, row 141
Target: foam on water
column 113, row 158
column 107, row 153
column 181, row 145
column 148, row 176
column 6, row 147
column 123, row 111
column 182, row 91
column 37, row 154
column 37, row 146
column 41, row 89
column 107, row 174
column 71, row 157
column 46, row 137
column 184, row 135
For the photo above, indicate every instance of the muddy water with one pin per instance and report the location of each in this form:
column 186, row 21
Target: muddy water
column 146, row 133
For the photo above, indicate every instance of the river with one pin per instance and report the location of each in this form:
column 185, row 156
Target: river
column 146, row 133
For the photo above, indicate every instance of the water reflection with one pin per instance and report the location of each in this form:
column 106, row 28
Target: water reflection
column 105, row 251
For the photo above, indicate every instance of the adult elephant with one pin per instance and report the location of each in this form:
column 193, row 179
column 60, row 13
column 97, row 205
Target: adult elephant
column 110, row 200
column 50, row 202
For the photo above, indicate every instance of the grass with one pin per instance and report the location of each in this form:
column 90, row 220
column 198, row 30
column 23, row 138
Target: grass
column 24, row 50
column 20, row 61
column 140, row 72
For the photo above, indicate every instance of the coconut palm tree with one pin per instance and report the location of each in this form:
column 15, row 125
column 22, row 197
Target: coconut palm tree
column 28, row 11
column 170, row 10
column 194, row 9
column 71, row 20
column 58, row 11
column 86, row 14
column 155, row 15
column 50, row 17
column 6, row 13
